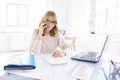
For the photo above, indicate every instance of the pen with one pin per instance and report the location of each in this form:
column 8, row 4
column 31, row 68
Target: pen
column 112, row 63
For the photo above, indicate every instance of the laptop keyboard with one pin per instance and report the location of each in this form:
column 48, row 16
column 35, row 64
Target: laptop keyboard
column 91, row 55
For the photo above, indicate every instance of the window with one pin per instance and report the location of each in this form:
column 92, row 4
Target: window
column 107, row 16
column 17, row 15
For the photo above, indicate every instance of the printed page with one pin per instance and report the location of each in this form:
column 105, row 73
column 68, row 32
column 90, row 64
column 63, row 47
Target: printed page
column 83, row 72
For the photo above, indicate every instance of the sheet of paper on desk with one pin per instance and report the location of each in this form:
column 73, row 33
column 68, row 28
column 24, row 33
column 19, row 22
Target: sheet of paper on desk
column 11, row 76
column 54, row 61
column 85, row 72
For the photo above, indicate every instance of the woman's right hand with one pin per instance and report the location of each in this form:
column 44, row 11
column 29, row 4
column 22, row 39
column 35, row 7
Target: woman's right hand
column 41, row 28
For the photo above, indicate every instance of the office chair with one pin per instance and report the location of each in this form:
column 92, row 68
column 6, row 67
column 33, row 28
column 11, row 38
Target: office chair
column 72, row 39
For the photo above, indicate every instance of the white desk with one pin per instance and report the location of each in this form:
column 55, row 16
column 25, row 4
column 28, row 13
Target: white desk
column 45, row 71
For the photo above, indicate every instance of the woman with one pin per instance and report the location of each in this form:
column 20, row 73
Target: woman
column 46, row 38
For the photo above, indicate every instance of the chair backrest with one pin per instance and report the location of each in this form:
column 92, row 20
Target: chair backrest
column 72, row 39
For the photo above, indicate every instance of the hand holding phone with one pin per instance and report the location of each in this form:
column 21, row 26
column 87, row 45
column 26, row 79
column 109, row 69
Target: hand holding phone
column 44, row 24
column 41, row 28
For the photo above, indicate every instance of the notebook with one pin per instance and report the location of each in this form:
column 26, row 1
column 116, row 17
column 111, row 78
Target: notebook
column 90, row 56
column 20, row 62
column 55, row 61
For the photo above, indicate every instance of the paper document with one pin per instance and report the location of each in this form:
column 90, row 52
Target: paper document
column 11, row 76
column 54, row 61
column 85, row 72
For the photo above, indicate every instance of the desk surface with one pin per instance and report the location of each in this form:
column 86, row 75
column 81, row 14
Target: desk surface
column 46, row 71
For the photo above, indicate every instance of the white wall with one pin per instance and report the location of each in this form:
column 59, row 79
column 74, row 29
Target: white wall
column 14, row 42
column 79, row 15
column 72, row 15
column 35, row 10
column 19, row 36
column 61, row 9
column 114, row 45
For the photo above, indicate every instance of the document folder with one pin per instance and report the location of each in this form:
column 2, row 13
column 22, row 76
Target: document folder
column 21, row 62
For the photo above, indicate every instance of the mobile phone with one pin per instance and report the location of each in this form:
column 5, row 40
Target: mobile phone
column 44, row 25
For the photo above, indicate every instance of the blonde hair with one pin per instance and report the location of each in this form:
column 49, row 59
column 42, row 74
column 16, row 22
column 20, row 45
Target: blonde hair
column 48, row 14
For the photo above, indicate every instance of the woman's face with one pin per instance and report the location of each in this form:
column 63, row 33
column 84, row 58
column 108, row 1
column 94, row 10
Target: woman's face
column 50, row 23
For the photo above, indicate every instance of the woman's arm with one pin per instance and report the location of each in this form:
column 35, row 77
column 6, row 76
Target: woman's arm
column 63, row 44
column 35, row 44
column 36, row 39
column 63, row 48
column 40, row 30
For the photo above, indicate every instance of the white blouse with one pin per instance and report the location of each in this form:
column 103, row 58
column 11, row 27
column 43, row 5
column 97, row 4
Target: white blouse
column 48, row 44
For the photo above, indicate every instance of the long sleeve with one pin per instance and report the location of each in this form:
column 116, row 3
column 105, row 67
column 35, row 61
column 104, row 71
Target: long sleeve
column 48, row 44
column 64, row 45
column 35, row 44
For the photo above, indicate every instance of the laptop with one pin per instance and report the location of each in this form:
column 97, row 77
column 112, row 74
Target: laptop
column 91, row 56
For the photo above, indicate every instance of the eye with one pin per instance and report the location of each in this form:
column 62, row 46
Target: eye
column 54, row 22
